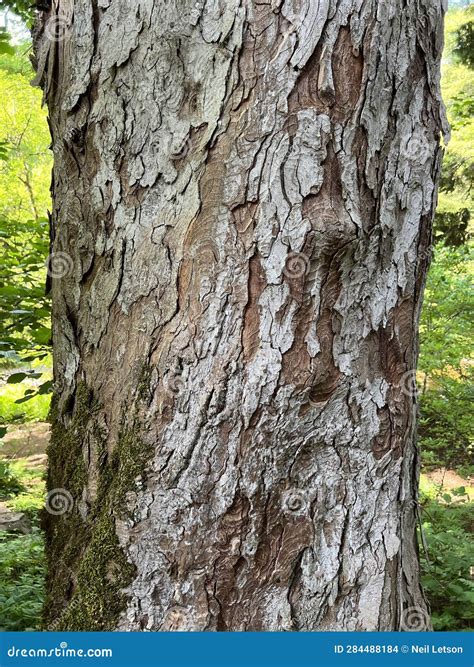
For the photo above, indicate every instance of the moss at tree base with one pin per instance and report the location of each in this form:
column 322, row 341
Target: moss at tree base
column 87, row 568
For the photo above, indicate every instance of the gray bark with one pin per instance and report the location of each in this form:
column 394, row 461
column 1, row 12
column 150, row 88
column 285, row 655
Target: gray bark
column 245, row 193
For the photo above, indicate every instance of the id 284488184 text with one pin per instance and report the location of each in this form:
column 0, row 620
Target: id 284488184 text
column 413, row 648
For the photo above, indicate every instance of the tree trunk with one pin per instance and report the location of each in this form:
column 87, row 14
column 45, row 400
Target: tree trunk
column 243, row 196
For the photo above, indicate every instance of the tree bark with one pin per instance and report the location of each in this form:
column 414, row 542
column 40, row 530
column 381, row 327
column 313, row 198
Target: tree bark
column 243, row 196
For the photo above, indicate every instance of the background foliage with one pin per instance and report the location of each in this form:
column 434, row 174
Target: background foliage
column 25, row 169
column 446, row 360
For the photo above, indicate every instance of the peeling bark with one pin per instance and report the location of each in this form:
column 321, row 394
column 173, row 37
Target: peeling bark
column 246, row 193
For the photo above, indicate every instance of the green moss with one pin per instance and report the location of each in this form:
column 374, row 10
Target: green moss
column 87, row 566
column 103, row 572
column 128, row 464
column 143, row 387
column 66, row 534
column 65, row 457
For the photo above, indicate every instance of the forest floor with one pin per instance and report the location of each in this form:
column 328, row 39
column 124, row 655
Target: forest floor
column 30, row 439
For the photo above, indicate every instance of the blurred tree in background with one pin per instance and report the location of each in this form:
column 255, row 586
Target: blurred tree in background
column 25, row 168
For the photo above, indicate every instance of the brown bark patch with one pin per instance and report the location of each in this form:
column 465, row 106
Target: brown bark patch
column 337, row 98
column 347, row 69
column 296, row 362
column 251, row 330
column 305, row 93
column 325, row 373
column 390, row 354
column 325, row 376
column 230, row 564
column 368, row 202
column 243, row 217
column 326, row 210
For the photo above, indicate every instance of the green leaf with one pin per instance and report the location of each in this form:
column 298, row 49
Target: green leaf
column 46, row 387
column 5, row 46
column 25, row 398
column 42, row 335
column 15, row 378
